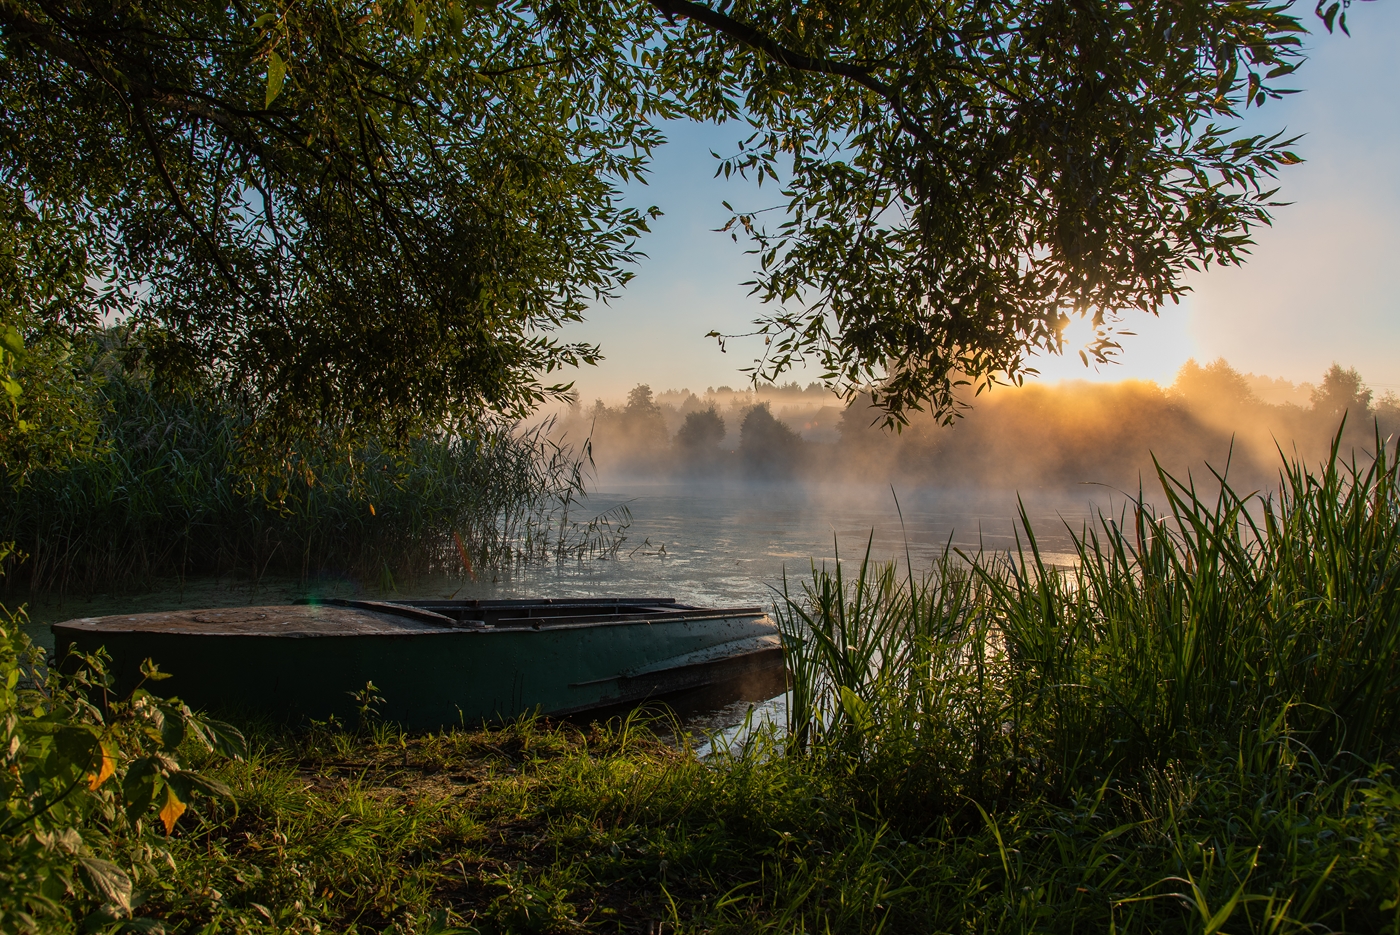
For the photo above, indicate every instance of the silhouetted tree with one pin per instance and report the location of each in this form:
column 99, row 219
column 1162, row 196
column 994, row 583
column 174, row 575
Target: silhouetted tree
column 630, row 439
column 697, row 442
column 642, row 417
column 1387, row 413
column 702, row 431
column 768, row 448
column 1342, row 393
column 1217, row 384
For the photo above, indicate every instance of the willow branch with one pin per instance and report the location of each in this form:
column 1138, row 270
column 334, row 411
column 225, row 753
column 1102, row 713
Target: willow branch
column 760, row 41
column 180, row 205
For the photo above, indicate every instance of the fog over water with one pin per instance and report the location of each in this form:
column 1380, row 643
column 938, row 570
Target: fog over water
column 716, row 497
column 731, row 543
column 1037, row 437
column 724, row 544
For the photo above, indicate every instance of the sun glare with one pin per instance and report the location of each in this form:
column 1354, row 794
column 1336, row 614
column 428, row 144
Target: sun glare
column 1153, row 347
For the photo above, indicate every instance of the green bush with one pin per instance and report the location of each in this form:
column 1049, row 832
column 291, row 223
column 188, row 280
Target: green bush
column 88, row 785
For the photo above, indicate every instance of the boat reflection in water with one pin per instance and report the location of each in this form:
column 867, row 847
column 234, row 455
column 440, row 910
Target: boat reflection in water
column 442, row 663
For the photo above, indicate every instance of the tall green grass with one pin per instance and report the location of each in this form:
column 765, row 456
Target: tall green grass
column 1262, row 623
column 164, row 495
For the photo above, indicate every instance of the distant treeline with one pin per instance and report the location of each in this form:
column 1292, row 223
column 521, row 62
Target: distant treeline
column 1023, row 437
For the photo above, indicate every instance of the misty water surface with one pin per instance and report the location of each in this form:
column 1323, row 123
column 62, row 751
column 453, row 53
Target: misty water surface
column 725, row 545
column 732, row 544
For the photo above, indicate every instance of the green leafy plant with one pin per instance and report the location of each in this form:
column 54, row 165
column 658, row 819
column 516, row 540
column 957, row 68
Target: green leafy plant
column 87, row 783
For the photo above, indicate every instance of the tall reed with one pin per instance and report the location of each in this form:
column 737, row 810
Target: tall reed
column 164, row 496
column 1253, row 621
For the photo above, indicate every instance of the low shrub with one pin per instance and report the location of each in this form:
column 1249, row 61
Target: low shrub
column 91, row 786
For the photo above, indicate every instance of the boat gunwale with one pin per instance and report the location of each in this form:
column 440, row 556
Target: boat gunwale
column 487, row 603
column 637, row 609
column 428, row 629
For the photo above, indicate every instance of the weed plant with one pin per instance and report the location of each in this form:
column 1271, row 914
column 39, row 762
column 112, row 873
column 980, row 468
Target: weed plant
column 85, row 777
column 164, row 495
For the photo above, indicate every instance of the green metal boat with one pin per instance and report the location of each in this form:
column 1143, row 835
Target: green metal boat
column 436, row 663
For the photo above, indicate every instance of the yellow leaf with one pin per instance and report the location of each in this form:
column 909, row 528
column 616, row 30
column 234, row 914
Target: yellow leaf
column 109, row 766
column 174, row 808
column 371, row 510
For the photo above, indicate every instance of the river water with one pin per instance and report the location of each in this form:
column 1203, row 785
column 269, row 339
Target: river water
column 716, row 545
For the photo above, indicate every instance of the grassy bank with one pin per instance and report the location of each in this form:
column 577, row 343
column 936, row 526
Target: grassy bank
column 1195, row 730
column 538, row 829
column 163, row 493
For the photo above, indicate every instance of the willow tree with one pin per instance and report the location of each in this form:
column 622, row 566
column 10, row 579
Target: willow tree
column 377, row 213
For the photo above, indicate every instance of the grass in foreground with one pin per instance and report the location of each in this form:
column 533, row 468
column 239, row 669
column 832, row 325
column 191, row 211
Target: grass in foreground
column 533, row 828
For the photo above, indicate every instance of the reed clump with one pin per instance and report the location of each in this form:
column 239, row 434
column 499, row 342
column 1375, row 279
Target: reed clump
column 1270, row 622
column 164, row 492
column 1229, row 664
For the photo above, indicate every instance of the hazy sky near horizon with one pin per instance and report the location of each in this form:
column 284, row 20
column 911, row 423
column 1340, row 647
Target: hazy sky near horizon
column 1319, row 288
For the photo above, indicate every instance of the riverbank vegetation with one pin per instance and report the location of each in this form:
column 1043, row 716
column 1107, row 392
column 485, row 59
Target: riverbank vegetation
column 350, row 234
column 163, row 486
column 1194, row 730
column 1027, row 437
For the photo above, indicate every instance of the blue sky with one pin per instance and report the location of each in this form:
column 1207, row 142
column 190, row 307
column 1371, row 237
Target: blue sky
column 1319, row 288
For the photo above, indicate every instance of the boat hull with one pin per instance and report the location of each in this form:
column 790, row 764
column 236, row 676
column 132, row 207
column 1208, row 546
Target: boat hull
column 428, row 676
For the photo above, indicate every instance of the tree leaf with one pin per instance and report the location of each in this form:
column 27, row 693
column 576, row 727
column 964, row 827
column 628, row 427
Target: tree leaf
column 172, row 732
column 276, row 74
column 186, row 783
column 77, row 746
column 1331, row 14
column 226, row 739
column 11, row 341
column 107, row 769
column 139, row 786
